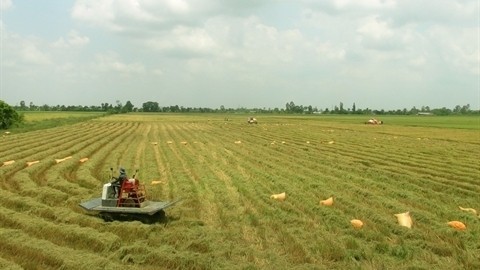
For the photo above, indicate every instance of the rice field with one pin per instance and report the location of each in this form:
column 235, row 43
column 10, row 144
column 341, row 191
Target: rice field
column 226, row 172
column 36, row 116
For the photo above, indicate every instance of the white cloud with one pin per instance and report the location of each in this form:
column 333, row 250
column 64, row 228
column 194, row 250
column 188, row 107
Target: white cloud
column 441, row 12
column 98, row 12
column 350, row 7
column 375, row 28
column 331, row 51
column 139, row 15
column 74, row 39
column 178, row 6
column 147, row 16
column 135, row 11
column 32, row 54
column 418, row 61
column 369, row 4
column 458, row 48
column 110, row 62
column 182, row 38
column 157, row 71
column 201, row 28
column 5, row 4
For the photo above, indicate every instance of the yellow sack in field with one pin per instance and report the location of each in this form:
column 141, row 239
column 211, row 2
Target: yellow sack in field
column 279, row 197
column 58, row 160
column 327, row 202
column 471, row 210
column 30, row 163
column 356, row 223
column 10, row 162
column 156, row 182
column 404, row 219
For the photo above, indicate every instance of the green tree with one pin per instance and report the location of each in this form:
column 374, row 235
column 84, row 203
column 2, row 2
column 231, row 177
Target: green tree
column 118, row 107
column 150, row 106
column 33, row 107
column 105, row 106
column 457, row 109
column 8, row 116
column 128, row 107
column 465, row 109
column 341, row 110
column 310, row 109
column 290, row 107
column 413, row 110
column 23, row 107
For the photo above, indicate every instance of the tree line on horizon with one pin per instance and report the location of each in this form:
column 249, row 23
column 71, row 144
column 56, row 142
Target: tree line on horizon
column 11, row 115
column 290, row 108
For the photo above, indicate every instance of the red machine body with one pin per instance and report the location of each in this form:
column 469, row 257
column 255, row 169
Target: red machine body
column 131, row 194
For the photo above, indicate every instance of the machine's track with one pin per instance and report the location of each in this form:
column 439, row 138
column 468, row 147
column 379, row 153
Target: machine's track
column 158, row 217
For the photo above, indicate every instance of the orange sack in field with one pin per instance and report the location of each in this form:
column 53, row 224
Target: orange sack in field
column 457, row 225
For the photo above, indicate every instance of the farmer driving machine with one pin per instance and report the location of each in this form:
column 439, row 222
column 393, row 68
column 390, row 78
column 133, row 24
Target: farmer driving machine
column 125, row 198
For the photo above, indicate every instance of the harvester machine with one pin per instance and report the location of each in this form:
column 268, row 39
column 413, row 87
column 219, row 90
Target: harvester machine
column 125, row 198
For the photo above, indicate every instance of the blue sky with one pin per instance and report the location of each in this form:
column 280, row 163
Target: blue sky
column 381, row 54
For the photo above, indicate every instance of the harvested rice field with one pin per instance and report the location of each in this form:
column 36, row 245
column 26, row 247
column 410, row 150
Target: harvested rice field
column 230, row 175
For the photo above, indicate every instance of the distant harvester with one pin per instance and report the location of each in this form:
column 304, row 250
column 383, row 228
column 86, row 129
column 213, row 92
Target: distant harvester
column 374, row 121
